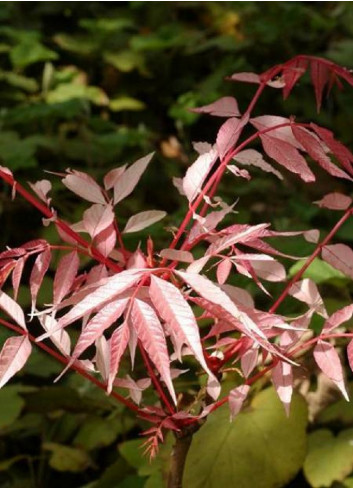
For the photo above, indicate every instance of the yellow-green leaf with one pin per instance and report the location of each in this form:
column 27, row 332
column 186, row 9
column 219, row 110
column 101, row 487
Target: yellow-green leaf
column 260, row 448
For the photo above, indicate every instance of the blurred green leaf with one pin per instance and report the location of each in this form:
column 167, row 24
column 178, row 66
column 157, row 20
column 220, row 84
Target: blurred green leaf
column 53, row 398
column 11, row 404
column 106, row 24
column 67, row 459
column 68, row 91
column 340, row 412
column 19, row 81
column 329, row 458
column 126, row 103
column 42, row 365
column 118, row 471
column 30, row 51
column 15, row 152
column 126, row 61
column 319, row 271
column 6, row 464
column 97, row 432
column 84, row 45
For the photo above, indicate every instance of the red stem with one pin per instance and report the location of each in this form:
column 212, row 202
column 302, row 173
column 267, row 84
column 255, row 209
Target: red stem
column 155, row 380
column 64, row 227
column 312, row 341
column 213, row 182
column 228, row 354
column 98, row 256
column 74, row 367
column 318, row 249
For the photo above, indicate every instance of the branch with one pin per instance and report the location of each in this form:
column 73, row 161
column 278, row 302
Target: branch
column 60, row 358
column 155, row 380
column 180, row 450
column 212, row 185
column 316, row 252
column 94, row 253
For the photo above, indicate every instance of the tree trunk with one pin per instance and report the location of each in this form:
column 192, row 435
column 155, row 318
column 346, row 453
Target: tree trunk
column 181, row 447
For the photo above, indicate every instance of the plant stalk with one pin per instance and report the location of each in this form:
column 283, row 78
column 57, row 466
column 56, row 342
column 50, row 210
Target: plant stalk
column 179, row 453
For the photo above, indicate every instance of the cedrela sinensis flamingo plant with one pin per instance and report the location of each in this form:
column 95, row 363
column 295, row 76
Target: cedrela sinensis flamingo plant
column 150, row 302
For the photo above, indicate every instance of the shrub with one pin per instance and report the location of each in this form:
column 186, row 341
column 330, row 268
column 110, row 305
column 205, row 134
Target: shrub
column 167, row 304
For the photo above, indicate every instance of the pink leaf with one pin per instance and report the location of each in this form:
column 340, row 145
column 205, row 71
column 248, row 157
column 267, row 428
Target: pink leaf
column 142, row 220
column 39, row 270
column 97, row 325
column 307, row 291
column 197, row 173
column 113, row 287
column 113, row 176
column 13, row 356
column 151, row 335
column 65, row 275
column 102, row 358
column 202, row 147
column 335, row 201
column 64, row 235
column 174, row 310
column 105, row 242
column 224, row 107
column 329, row 362
column 135, row 388
column 270, row 270
column 282, row 378
column 284, row 133
column 61, row 339
column 236, row 399
column 96, row 274
column 238, row 295
column 315, row 150
column 245, row 77
column 292, row 73
column 177, row 255
column 130, row 178
column 41, row 188
column 238, row 172
column 319, row 77
column 83, row 185
column 6, row 170
column 254, row 158
column 337, row 318
column 339, row 256
column 288, row 156
column 118, row 344
column 209, row 224
column 97, row 218
column 17, row 275
column 241, row 235
column 228, row 135
column 137, row 260
column 132, row 344
column 178, row 184
column 223, row 270
column 205, row 288
column 312, row 235
column 249, row 360
column 344, row 156
column 11, row 308
column 350, row 354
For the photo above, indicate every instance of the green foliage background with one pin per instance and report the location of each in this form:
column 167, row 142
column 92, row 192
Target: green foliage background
column 92, row 85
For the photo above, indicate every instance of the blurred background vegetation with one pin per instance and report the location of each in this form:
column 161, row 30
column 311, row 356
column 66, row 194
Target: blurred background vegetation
column 93, row 85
